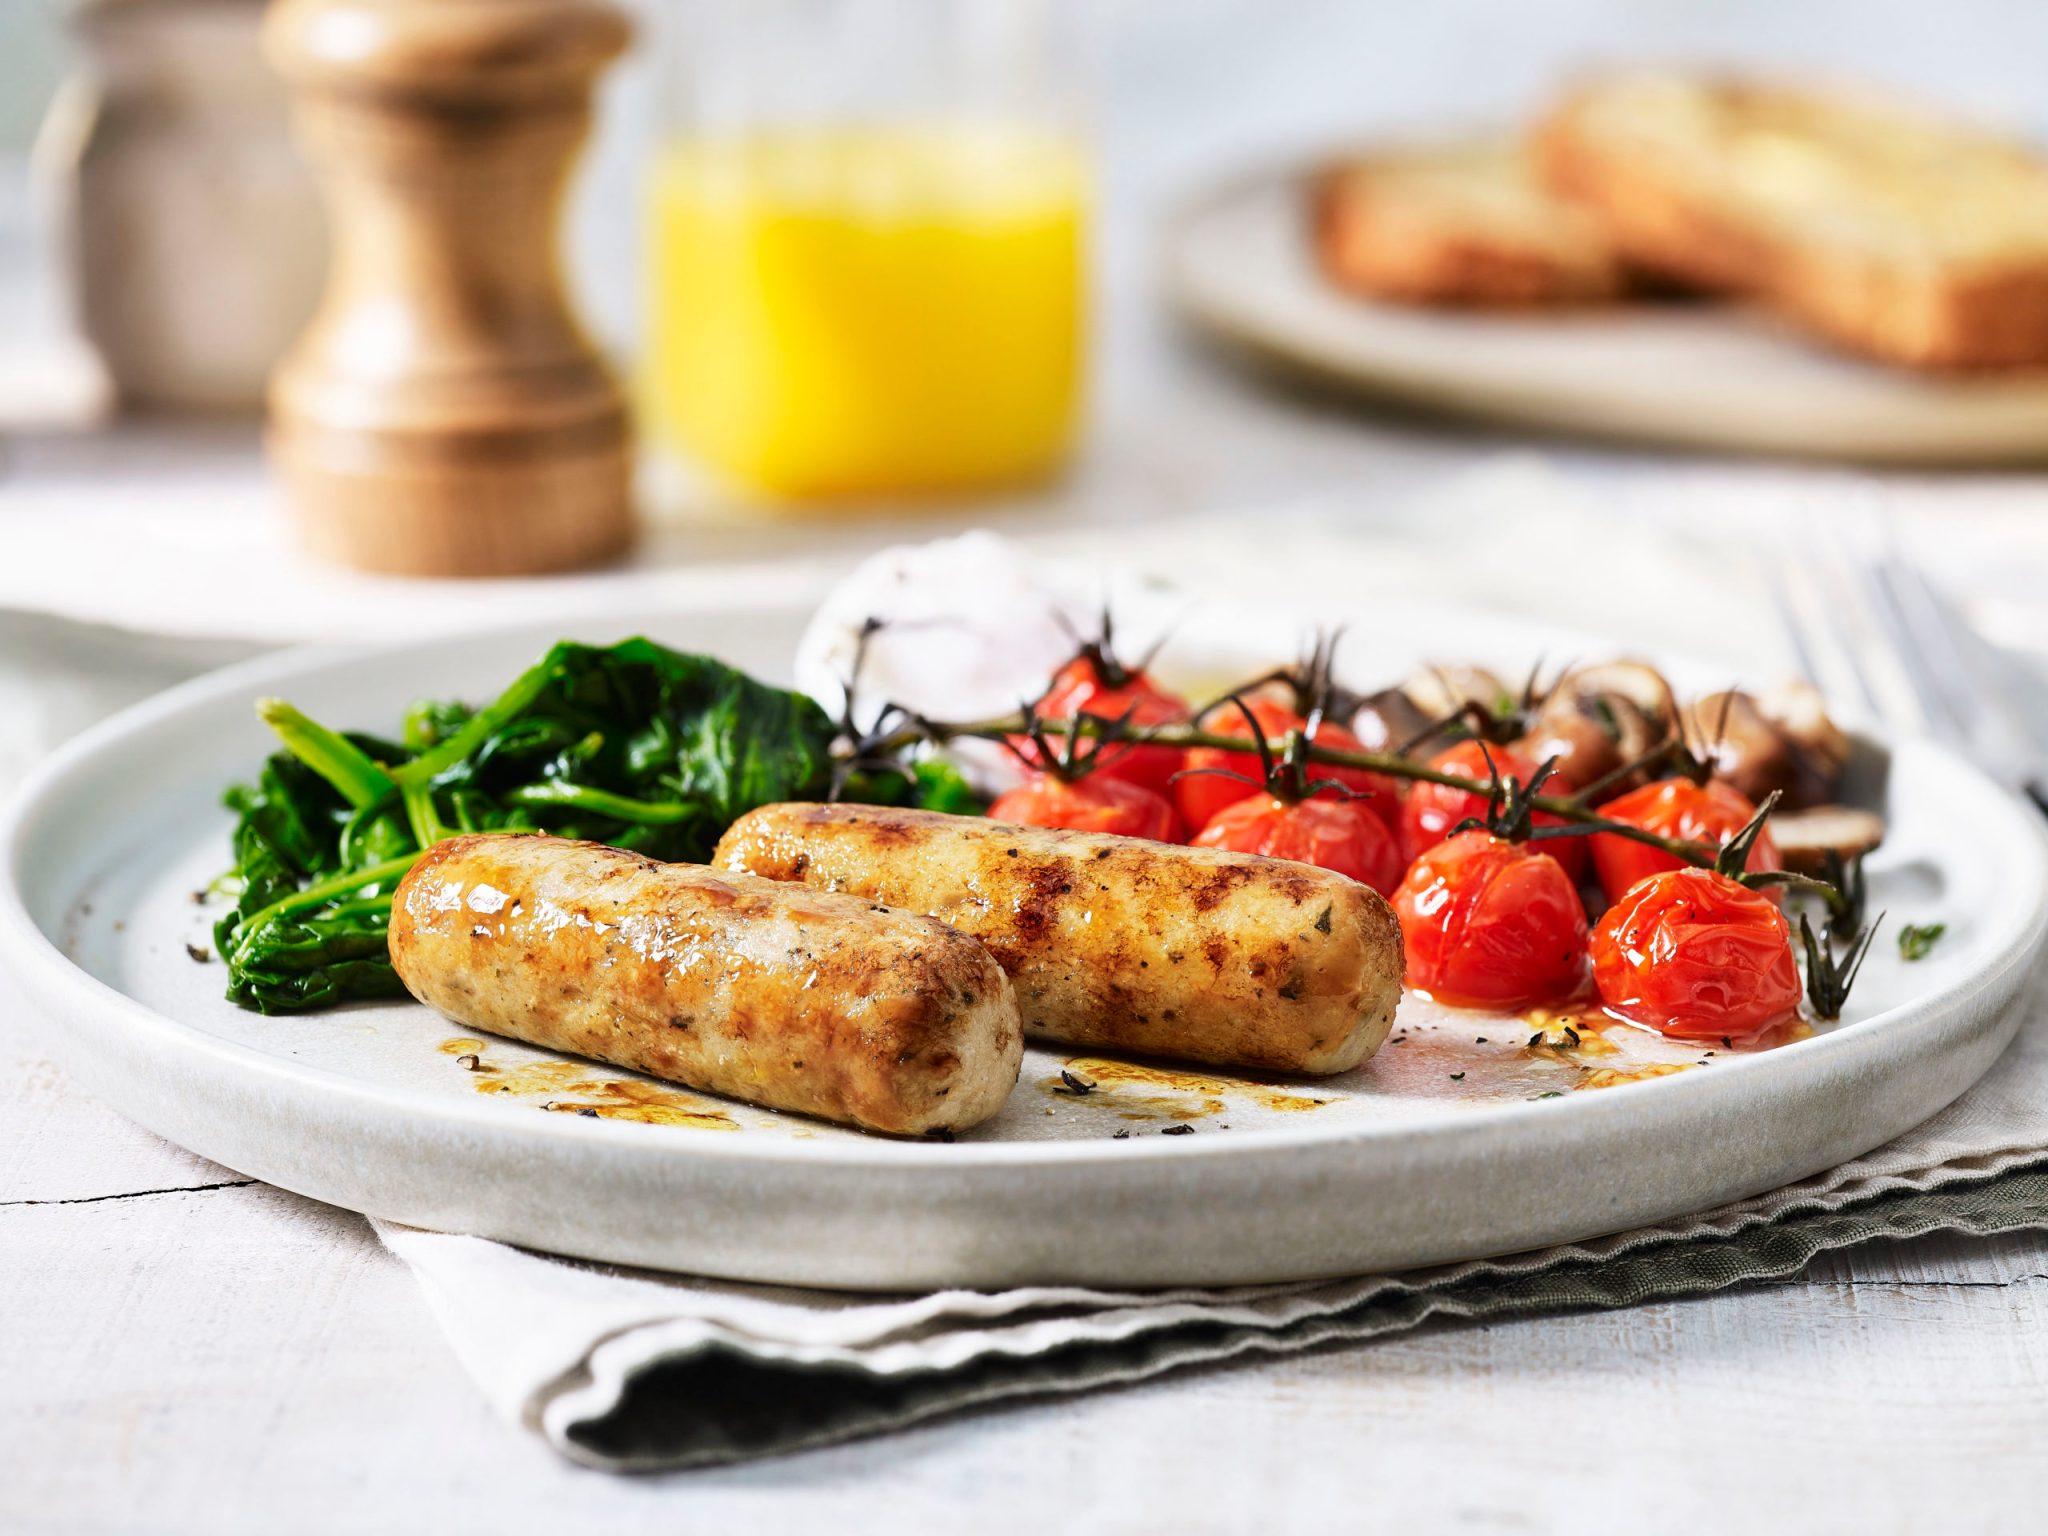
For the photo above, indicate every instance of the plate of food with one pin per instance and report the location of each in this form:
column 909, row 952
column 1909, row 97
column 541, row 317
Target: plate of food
column 1691, row 260
column 1214, row 963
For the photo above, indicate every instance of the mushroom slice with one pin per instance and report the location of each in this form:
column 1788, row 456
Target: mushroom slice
column 1636, row 681
column 1805, row 838
column 1799, row 711
column 1442, row 689
column 1783, row 742
column 1418, row 715
column 1388, row 720
column 1599, row 719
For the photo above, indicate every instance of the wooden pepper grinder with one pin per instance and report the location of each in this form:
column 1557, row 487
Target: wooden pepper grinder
column 444, row 414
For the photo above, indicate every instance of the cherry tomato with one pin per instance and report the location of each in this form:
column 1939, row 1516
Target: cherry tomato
column 1709, row 814
column 1492, row 924
column 1201, row 796
column 1433, row 809
column 1694, row 954
column 1339, row 835
column 1080, row 688
column 1093, row 803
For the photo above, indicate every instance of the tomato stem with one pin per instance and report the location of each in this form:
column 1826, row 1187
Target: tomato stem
column 1178, row 735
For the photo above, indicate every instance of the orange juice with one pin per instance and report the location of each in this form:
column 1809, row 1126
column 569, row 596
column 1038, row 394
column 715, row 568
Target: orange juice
column 850, row 311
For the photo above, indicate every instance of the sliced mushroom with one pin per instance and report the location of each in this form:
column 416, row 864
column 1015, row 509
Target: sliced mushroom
column 1806, row 838
column 1395, row 717
column 1441, row 689
column 1801, row 713
column 1599, row 719
column 1782, row 741
column 1388, row 720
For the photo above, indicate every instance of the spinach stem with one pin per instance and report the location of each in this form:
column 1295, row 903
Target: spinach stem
column 365, row 907
column 328, row 753
column 430, row 765
column 602, row 802
column 427, row 826
column 320, row 892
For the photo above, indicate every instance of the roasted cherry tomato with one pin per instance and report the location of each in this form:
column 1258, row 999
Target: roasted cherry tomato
column 1093, row 803
column 1433, row 809
column 1694, row 954
column 1492, row 924
column 1103, row 690
column 1708, row 814
column 1339, row 835
column 1201, row 795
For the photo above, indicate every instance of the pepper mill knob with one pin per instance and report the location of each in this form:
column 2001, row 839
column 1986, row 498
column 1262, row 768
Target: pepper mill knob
column 444, row 414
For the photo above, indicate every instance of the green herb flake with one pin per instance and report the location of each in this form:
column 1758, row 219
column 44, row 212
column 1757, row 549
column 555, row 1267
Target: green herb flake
column 1916, row 940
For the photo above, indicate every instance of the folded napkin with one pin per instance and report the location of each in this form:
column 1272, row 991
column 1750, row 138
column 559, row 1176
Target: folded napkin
column 629, row 1370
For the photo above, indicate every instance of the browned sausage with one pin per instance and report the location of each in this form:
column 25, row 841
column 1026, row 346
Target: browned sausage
column 1114, row 941
column 794, row 999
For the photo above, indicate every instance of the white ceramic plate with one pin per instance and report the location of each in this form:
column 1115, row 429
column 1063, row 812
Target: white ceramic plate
column 1238, row 266
column 1399, row 1163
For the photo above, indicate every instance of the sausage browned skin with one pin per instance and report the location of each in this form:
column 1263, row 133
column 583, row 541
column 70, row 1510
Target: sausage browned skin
column 791, row 998
column 1114, row 941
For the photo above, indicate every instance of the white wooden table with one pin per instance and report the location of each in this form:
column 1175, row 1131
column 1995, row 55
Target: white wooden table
column 182, row 1350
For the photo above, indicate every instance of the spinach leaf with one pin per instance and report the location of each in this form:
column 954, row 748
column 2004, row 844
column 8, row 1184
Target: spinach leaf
column 933, row 785
column 632, row 744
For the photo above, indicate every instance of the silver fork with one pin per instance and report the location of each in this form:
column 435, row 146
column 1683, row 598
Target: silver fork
column 1867, row 625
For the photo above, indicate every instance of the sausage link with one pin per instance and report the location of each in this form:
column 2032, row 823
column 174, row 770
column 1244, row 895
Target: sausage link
column 1115, row 941
column 794, row 999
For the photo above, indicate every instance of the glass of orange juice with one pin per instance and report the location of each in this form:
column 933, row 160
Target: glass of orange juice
column 867, row 244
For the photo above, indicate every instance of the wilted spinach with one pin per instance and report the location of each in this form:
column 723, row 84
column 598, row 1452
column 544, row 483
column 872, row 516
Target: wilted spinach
column 631, row 744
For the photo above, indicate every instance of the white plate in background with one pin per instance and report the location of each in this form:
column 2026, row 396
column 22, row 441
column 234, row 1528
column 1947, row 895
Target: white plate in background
column 1238, row 266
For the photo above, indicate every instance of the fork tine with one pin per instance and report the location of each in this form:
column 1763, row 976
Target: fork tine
column 1930, row 651
column 1865, row 623
column 1900, row 655
column 1872, row 630
column 1979, row 682
column 1835, row 635
column 1804, row 656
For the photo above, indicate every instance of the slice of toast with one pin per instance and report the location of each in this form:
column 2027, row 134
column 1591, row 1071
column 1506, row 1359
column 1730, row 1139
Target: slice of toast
column 1888, row 230
column 1468, row 223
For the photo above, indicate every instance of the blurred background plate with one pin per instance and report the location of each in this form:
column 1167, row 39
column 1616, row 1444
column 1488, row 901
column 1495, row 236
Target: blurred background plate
column 1239, row 268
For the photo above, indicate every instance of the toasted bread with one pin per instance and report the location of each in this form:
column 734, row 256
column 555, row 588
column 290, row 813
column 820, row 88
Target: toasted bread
column 1890, row 231
column 1467, row 223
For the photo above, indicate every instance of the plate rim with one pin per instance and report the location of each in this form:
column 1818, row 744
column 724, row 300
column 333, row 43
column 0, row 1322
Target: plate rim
column 2019, row 936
